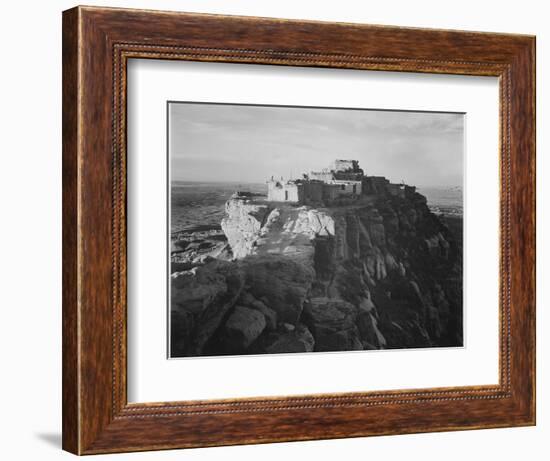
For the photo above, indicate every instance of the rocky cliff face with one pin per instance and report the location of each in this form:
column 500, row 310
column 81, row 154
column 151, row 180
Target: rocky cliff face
column 381, row 272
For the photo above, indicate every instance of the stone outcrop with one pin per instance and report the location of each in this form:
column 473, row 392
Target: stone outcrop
column 298, row 339
column 242, row 328
column 262, row 229
column 269, row 314
column 333, row 323
column 282, row 284
column 200, row 300
column 381, row 272
column 242, row 224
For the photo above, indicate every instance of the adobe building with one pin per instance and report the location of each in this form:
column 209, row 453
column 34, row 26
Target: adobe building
column 295, row 190
column 344, row 179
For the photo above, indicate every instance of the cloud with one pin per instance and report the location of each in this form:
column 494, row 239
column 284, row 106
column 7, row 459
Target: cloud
column 216, row 142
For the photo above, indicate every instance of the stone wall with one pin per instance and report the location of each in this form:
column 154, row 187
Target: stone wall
column 313, row 191
column 397, row 190
column 325, row 175
column 346, row 165
column 284, row 191
column 348, row 187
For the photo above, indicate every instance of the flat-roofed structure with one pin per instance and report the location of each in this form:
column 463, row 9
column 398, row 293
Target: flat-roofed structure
column 344, row 179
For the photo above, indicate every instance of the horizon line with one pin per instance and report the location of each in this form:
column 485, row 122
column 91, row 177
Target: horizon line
column 198, row 181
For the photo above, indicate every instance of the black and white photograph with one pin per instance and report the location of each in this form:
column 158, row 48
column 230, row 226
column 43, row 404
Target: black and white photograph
column 311, row 229
column 275, row 230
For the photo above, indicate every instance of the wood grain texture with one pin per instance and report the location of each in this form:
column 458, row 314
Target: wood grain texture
column 70, row 384
column 97, row 42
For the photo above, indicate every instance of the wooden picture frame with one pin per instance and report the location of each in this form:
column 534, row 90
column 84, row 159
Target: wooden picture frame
column 97, row 43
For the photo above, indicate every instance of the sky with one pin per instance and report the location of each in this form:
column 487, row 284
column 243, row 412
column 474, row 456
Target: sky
column 242, row 143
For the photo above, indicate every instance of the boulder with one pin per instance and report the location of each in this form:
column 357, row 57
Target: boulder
column 333, row 323
column 377, row 232
column 376, row 264
column 365, row 242
column 242, row 225
column 270, row 315
column 298, row 340
column 182, row 324
column 353, row 234
column 391, row 222
column 194, row 290
column 280, row 282
column 368, row 330
column 341, row 248
column 242, row 328
column 201, row 298
column 437, row 246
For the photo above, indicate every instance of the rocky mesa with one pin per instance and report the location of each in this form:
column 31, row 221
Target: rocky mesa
column 378, row 271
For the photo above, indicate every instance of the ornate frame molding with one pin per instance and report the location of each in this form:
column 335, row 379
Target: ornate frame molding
column 97, row 45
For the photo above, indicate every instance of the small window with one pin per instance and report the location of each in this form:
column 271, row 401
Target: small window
column 343, row 187
column 286, row 195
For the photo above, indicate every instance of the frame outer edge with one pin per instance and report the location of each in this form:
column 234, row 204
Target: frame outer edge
column 533, row 179
column 533, row 182
column 90, row 420
column 523, row 233
column 70, row 190
column 531, row 141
